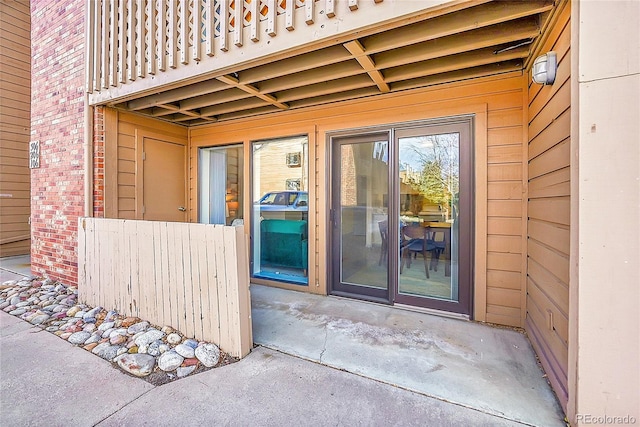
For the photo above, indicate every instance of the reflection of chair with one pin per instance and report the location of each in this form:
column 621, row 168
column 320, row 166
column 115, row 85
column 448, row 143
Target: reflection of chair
column 384, row 235
column 416, row 239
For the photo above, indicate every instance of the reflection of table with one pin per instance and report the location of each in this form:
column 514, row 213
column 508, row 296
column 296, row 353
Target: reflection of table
column 441, row 229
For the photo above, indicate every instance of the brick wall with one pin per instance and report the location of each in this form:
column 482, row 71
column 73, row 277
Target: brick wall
column 57, row 94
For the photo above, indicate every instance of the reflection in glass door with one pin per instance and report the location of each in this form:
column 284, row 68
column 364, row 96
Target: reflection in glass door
column 429, row 209
column 360, row 216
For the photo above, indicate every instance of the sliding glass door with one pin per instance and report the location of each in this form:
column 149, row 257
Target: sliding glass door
column 401, row 214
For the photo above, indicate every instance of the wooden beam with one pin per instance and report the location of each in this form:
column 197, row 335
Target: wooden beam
column 459, row 74
column 308, row 61
column 230, row 107
column 355, row 48
column 221, row 97
column 453, row 23
column 325, row 88
column 234, row 82
column 202, row 88
column 452, row 63
column 312, row 76
column 464, row 42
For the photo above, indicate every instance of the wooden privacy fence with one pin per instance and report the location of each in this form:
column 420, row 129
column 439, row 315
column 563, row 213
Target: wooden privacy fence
column 192, row 277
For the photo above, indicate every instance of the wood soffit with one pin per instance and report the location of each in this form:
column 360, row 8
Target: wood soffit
column 482, row 40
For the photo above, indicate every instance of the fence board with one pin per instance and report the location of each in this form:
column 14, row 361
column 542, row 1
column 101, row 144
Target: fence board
column 192, row 277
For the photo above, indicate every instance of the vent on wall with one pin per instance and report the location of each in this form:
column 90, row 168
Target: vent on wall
column 293, row 160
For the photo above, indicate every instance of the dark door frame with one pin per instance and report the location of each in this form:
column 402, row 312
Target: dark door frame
column 464, row 305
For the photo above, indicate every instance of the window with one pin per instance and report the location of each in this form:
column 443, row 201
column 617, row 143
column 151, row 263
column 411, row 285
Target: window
column 280, row 210
column 220, row 184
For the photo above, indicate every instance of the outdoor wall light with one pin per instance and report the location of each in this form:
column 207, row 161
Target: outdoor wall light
column 544, row 69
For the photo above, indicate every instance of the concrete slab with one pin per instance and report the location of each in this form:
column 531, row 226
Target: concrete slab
column 16, row 264
column 269, row 388
column 47, row 381
column 492, row 370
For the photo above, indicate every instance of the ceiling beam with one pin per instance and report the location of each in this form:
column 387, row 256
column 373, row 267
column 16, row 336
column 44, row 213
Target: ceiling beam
column 452, row 63
column 230, row 107
column 202, row 88
column 326, row 88
column 306, row 61
column 357, row 51
column 458, row 75
column 457, row 22
column 234, row 82
column 464, row 42
column 316, row 75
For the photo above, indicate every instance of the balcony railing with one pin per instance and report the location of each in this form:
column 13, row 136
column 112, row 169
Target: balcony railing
column 138, row 45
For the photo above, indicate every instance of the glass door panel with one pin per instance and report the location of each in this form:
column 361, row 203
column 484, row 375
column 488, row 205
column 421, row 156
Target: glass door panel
column 430, row 209
column 360, row 216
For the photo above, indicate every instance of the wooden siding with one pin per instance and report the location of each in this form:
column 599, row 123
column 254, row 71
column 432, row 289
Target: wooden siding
column 501, row 177
column 192, row 277
column 123, row 192
column 15, row 124
column 549, row 161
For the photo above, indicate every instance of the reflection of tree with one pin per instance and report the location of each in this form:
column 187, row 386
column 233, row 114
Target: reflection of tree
column 439, row 180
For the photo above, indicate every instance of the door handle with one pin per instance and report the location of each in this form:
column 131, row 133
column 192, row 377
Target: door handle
column 182, row 209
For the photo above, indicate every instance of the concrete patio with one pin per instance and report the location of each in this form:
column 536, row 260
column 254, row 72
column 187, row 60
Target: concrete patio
column 489, row 369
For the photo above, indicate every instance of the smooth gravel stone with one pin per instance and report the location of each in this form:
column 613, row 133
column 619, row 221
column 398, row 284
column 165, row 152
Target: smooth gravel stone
column 174, row 339
column 138, row 327
column 167, row 329
column 23, row 304
column 4, row 305
column 93, row 312
column 148, row 337
column 105, row 325
column 108, row 352
column 72, row 311
column 119, row 331
column 18, row 311
column 80, row 314
column 117, row 339
column 164, row 348
column 122, row 350
column 107, row 333
column 39, row 319
column 142, row 348
column 60, row 315
column 184, row 371
column 89, row 319
column 66, row 335
column 95, row 337
column 154, row 348
column 191, row 343
column 185, row 351
column 89, row 327
column 51, row 328
column 79, row 337
column 139, row 365
column 110, row 315
column 169, row 361
column 15, row 300
column 208, row 354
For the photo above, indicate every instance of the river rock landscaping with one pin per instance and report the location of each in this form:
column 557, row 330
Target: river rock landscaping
column 156, row 354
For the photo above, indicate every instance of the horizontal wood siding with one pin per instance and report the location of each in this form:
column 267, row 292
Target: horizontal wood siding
column 549, row 211
column 15, row 124
column 192, row 277
column 121, row 154
column 503, row 141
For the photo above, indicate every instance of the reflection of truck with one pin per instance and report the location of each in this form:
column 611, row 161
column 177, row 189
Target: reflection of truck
column 284, row 205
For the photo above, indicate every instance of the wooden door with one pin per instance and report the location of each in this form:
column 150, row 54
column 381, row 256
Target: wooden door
column 164, row 181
